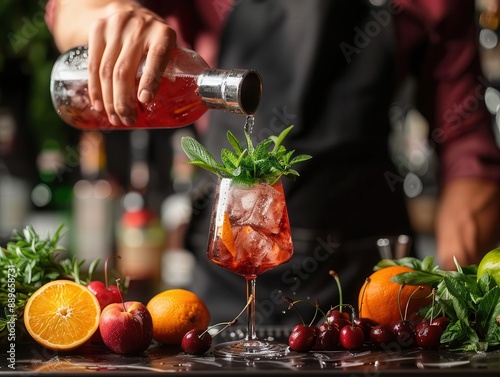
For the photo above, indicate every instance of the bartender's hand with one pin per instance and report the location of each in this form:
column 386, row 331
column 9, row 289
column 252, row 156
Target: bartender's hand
column 120, row 35
column 468, row 221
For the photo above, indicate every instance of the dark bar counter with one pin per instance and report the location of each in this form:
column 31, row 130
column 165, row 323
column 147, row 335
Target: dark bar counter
column 34, row 360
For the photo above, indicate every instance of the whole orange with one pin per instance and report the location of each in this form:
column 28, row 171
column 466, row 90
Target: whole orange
column 174, row 313
column 378, row 297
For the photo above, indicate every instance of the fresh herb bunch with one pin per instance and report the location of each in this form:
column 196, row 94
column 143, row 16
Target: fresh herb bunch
column 27, row 263
column 472, row 305
column 247, row 165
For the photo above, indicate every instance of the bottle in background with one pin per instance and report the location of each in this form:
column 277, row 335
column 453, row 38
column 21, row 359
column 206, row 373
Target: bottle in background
column 177, row 262
column 14, row 190
column 140, row 235
column 95, row 198
column 51, row 195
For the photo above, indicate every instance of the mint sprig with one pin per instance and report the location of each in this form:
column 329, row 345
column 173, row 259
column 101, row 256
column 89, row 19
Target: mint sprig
column 473, row 305
column 249, row 165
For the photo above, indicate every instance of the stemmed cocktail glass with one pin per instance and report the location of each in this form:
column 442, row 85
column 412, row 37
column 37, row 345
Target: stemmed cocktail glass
column 249, row 234
column 249, row 231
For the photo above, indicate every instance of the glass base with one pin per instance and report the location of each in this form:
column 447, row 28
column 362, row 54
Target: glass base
column 251, row 348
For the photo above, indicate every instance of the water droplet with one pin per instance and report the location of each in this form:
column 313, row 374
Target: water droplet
column 249, row 122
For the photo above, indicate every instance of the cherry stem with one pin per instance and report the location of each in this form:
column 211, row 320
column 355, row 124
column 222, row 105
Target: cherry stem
column 353, row 312
column 315, row 313
column 432, row 304
column 337, row 280
column 367, row 280
column 120, row 293
column 106, row 268
column 292, row 304
column 410, row 297
column 230, row 323
column 399, row 300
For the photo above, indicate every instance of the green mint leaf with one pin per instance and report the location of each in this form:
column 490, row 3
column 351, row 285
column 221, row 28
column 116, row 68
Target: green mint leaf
column 301, row 158
column 487, row 310
column 229, row 159
column 456, row 288
column 279, row 139
column 460, row 334
column 199, row 155
column 485, row 284
column 417, row 277
column 446, row 306
column 235, row 143
column 428, row 263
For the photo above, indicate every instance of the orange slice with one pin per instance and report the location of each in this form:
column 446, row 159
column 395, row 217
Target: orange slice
column 227, row 235
column 62, row 315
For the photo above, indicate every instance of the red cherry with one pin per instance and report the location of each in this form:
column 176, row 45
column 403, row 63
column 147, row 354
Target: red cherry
column 323, row 326
column 302, row 338
column 333, row 314
column 405, row 333
column 105, row 295
column 441, row 322
column 429, row 336
column 381, row 336
column 366, row 325
column 340, row 323
column 351, row 337
column 329, row 339
column 196, row 341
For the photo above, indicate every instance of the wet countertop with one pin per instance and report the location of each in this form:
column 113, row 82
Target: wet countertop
column 29, row 359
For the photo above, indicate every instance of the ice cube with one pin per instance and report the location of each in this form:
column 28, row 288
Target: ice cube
column 251, row 246
column 281, row 251
column 260, row 207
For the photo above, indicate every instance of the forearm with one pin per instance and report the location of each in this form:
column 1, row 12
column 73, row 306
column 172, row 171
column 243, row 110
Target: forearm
column 72, row 18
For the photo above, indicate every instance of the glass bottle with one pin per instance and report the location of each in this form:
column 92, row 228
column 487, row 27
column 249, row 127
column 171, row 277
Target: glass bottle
column 188, row 89
column 94, row 206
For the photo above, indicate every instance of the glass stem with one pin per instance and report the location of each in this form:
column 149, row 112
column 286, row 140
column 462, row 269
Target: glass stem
column 251, row 310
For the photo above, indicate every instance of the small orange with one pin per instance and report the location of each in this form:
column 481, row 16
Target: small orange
column 62, row 315
column 378, row 297
column 227, row 235
column 174, row 313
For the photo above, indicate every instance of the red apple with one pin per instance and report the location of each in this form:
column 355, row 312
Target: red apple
column 126, row 328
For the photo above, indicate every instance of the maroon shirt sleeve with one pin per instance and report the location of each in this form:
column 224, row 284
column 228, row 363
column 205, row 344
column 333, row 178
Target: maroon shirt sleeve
column 437, row 42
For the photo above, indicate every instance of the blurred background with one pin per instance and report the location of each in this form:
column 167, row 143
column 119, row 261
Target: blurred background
column 51, row 173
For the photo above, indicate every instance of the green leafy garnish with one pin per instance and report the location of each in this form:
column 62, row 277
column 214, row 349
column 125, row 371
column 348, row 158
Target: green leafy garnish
column 473, row 305
column 248, row 165
column 26, row 263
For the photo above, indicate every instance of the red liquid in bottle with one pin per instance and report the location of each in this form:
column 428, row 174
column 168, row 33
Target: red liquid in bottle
column 176, row 104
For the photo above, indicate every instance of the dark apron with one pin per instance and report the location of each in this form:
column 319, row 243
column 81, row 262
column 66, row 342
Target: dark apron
column 328, row 69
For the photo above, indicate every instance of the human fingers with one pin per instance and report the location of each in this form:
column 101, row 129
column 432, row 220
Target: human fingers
column 118, row 44
column 118, row 68
column 96, row 47
column 159, row 48
column 146, row 37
